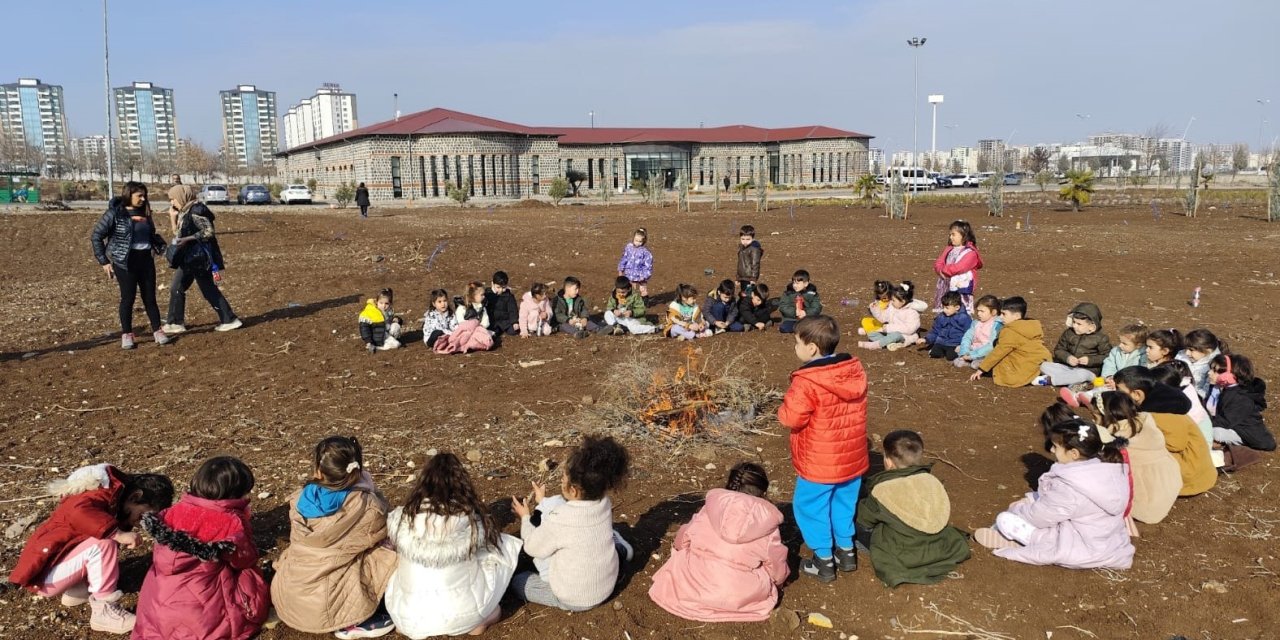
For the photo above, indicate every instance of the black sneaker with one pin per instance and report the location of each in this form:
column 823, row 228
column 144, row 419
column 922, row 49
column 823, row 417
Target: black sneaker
column 819, row 569
column 846, row 559
column 378, row 625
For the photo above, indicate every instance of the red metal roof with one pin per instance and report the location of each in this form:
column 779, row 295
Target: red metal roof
column 447, row 121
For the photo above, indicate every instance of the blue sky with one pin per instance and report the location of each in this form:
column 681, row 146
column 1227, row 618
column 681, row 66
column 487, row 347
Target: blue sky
column 1025, row 68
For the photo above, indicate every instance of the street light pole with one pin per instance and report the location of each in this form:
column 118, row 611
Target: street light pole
column 1262, row 119
column 935, row 100
column 106, row 68
column 592, row 114
column 915, row 44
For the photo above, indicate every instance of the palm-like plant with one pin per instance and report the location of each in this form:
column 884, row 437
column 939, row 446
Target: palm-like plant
column 1077, row 187
column 868, row 189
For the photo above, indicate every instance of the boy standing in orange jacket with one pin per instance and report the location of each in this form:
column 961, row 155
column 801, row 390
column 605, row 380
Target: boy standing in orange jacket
column 826, row 410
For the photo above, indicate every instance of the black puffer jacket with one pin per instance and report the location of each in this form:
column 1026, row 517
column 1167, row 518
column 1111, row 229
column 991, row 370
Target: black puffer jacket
column 1240, row 410
column 113, row 235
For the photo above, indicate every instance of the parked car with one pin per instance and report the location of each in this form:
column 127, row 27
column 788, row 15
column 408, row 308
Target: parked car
column 254, row 194
column 940, row 181
column 295, row 193
column 1012, row 179
column 963, row 180
column 983, row 177
column 214, row 194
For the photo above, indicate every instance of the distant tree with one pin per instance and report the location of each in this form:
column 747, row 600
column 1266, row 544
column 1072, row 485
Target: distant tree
column 1077, row 188
column 575, row 177
column 1037, row 160
column 345, row 194
column 558, row 190
column 1064, row 163
column 1043, row 178
column 1273, row 190
column 1239, row 158
column 868, row 189
column 984, row 163
column 956, row 166
column 311, row 185
column 275, row 188
column 742, row 188
column 462, row 194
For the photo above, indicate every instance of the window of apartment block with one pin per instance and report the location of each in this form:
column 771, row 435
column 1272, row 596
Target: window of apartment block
column 533, row 171
column 435, row 178
column 396, row 190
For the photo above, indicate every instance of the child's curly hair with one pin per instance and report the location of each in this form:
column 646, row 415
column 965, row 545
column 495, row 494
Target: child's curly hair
column 598, row 465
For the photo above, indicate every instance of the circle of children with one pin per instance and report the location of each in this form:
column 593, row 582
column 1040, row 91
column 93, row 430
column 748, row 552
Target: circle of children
column 1163, row 407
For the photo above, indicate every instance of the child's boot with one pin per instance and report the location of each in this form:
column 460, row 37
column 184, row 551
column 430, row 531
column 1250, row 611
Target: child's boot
column 1072, row 399
column 76, row 595
column 869, row 344
column 108, row 616
column 846, row 559
column 820, row 569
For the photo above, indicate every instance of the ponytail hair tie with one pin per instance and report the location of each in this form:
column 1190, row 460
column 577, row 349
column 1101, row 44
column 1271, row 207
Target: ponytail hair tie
column 353, row 466
column 905, row 287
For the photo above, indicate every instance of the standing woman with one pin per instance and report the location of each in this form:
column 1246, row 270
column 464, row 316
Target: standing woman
column 200, row 254
column 124, row 241
column 362, row 200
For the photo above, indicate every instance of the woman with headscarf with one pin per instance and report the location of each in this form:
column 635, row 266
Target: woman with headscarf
column 362, row 200
column 123, row 241
column 200, row 259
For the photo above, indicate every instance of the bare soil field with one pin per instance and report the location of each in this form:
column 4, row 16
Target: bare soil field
column 297, row 372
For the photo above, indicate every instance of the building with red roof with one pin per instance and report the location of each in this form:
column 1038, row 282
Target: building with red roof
column 421, row 154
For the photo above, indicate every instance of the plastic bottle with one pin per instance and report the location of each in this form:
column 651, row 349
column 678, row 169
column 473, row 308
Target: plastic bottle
column 1195, row 297
column 1099, row 382
column 217, row 274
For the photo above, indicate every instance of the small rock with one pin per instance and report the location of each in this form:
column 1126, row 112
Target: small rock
column 711, row 466
column 409, row 463
column 1213, row 586
column 547, row 465
column 617, row 606
column 28, row 355
column 377, row 258
column 819, row 620
column 553, row 443
column 431, row 453
column 588, row 400
column 19, row 526
column 473, row 455
column 263, row 495
column 789, row 617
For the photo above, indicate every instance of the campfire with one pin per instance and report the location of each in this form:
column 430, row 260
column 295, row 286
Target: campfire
column 695, row 401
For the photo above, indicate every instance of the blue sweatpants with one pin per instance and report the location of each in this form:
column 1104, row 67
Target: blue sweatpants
column 824, row 513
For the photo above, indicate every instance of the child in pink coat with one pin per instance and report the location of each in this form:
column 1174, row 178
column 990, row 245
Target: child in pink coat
column 726, row 563
column 1077, row 517
column 535, row 312
column 957, row 266
column 901, row 320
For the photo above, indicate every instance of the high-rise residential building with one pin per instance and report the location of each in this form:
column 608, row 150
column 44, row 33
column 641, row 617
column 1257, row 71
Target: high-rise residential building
column 329, row 112
column 875, row 158
column 991, row 154
column 31, row 113
column 1178, row 153
column 146, row 120
column 249, row 133
column 89, row 146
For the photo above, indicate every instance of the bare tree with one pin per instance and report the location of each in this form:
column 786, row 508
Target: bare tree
column 1239, row 159
column 1037, row 160
column 1152, row 155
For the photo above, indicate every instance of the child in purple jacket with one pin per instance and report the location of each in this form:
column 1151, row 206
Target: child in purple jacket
column 636, row 264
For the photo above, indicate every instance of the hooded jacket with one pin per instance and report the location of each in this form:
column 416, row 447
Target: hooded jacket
column 1095, row 346
column 204, row 581
column 961, row 275
column 634, row 303
column 447, row 580
column 362, row 196
column 1078, row 515
column 1156, row 476
column 532, row 313
column 904, row 320
column 726, row 563
column 720, row 311
column 336, row 568
column 826, row 410
column 1240, row 409
column 373, row 324
column 978, row 352
column 1182, row 438
column 907, row 511
column 1015, row 359
column 89, row 509
column 563, row 311
column 1199, row 370
column 812, row 303
column 502, row 309
column 1118, row 359
column 949, row 331
column 750, row 314
column 636, row 263
column 112, row 236
column 749, row 258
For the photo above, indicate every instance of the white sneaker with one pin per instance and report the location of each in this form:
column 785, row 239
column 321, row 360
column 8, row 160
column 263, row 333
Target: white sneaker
column 109, row 617
column 75, row 596
column 161, row 338
column 230, row 326
column 173, row 329
column 622, row 542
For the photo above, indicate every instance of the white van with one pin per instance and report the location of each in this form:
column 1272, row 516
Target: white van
column 913, row 178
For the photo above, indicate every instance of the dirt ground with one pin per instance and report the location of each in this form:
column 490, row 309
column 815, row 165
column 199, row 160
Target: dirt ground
column 297, row 372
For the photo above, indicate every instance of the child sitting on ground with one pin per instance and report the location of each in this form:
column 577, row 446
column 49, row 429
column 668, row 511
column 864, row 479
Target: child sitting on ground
column 535, row 312
column 727, row 563
column 335, row 570
column 500, row 304
column 798, row 302
column 1177, row 374
column 1168, row 409
column 1236, row 402
column 722, row 309
column 471, row 307
column 981, row 336
column 379, row 328
column 204, row 580
column 900, row 319
column 1078, row 356
column 1016, row 358
column 684, row 317
column 755, row 312
column 1156, row 477
column 75, row 552
column 439, row 320
column 570, row 310
column 1130, row 352
column 879, row 300
column 1075, row 518
column 625, row 310
column 1199, row 348
column 636, row 264
column 571, row 537
column 948, row 330
column 825, row 408
column 454, row 561
column 750, row 253
column 905, row 514
column 1163, row 346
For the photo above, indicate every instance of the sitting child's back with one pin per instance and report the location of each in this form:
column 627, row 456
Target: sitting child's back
column 906, row 513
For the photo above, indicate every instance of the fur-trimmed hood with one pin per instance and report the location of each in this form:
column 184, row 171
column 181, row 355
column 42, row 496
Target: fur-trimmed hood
column 183, row 542
column 433, row 540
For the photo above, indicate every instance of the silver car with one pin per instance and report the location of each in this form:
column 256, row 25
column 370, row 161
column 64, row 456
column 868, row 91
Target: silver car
column 214, row 193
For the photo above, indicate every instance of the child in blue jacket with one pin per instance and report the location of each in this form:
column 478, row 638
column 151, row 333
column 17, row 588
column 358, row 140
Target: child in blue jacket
column 948, row 330
column 981, row 336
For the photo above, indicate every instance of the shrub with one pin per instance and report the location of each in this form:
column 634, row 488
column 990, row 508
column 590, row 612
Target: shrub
column 344, row 195
column 559, row 189
column 461, row 194
column 275, row 188
column 311, row 184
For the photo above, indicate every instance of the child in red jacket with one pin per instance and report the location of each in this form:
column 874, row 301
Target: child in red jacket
column 826, row 410
column 204, row 581
column 74, row 552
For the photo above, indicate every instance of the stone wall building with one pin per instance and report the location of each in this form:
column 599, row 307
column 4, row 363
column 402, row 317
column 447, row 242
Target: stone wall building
column 421, row 154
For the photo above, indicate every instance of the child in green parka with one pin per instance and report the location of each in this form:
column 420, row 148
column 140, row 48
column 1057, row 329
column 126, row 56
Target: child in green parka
column 625, row 310
column 903, row 517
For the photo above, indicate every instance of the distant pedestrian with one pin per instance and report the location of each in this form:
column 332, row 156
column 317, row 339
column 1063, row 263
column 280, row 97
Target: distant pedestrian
column 124, row 240
column 726, row 183
column 362, row 200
